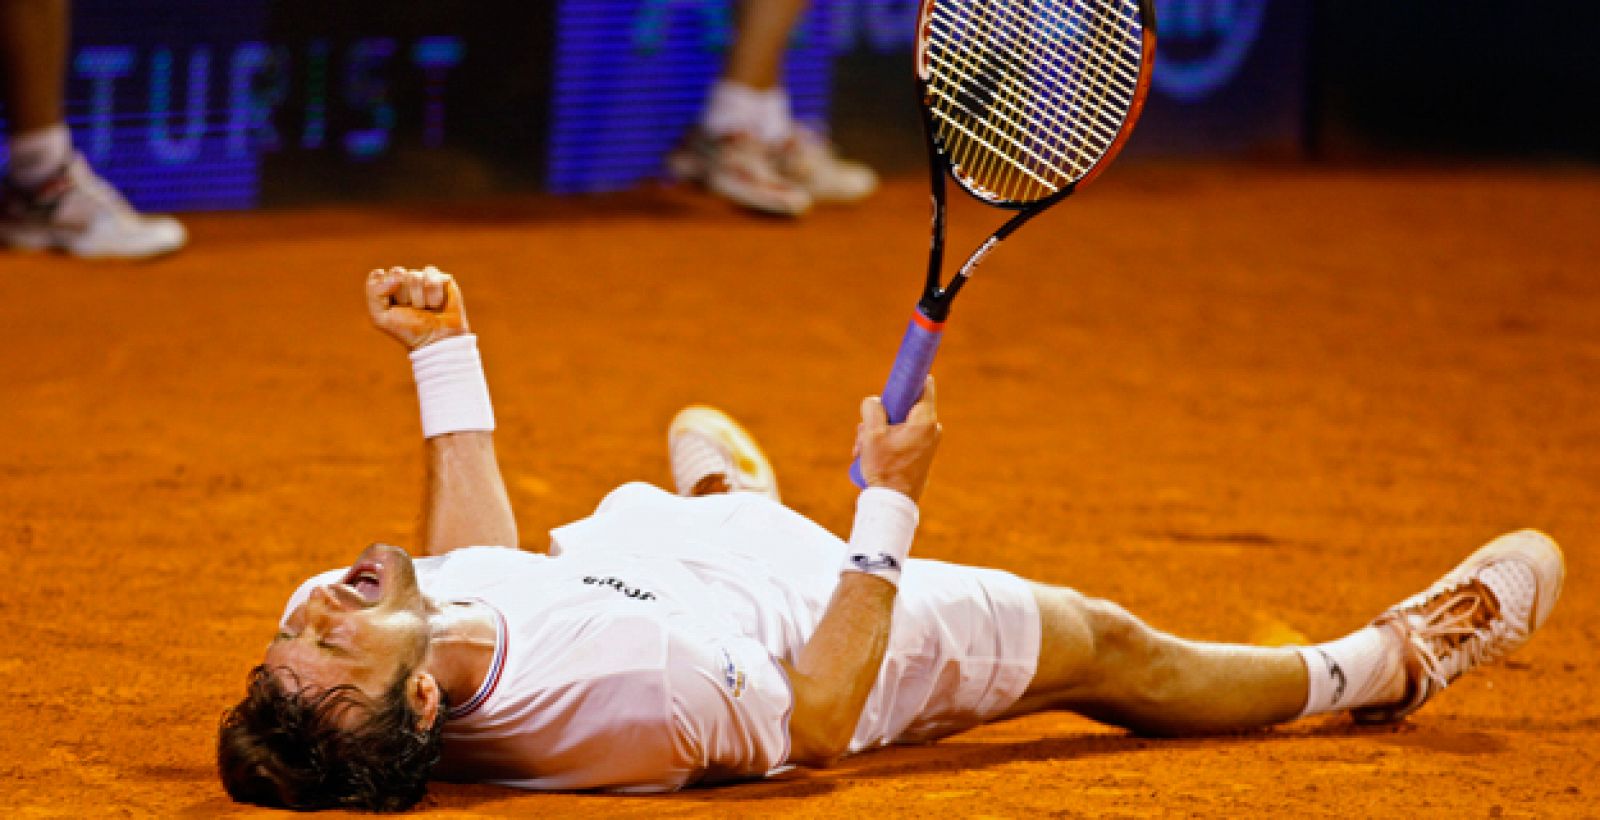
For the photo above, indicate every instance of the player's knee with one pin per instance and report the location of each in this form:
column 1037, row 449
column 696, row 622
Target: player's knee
column 1115, row 633
column 1132, row 658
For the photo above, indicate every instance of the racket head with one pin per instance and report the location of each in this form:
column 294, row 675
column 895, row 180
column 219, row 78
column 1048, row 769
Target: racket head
column 1025, row 100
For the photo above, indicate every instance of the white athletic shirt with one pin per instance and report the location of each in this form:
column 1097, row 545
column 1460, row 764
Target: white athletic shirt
column 640, row 655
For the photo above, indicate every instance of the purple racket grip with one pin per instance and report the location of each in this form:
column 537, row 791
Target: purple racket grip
column 911, row 367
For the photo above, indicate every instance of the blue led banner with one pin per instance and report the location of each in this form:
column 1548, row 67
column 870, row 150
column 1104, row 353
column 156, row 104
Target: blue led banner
column 184, row 107
column 178, row 105
column 631, row 77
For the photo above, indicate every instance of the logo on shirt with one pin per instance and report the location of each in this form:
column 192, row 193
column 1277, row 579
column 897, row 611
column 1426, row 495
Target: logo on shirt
column 621, row 586
column 732, row 675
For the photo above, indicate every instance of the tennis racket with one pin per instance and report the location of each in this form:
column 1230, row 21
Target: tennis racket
column 1023, row 102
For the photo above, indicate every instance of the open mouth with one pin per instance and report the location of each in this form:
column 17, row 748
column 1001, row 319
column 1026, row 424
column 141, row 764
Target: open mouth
column 367, row 580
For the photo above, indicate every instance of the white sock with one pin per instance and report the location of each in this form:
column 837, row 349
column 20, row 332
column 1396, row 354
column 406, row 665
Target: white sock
column 1363, row 668
column 735, row 108
column 776, row 122
column 36, row 155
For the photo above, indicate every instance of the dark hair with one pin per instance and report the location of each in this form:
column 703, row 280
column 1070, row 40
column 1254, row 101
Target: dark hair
column 284, row 746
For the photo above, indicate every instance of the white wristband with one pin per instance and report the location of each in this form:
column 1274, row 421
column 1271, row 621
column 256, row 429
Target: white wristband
column 886, row 521
column 451, row 390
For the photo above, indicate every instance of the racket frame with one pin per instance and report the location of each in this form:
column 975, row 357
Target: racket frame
column 934, row 304
column 914, row 360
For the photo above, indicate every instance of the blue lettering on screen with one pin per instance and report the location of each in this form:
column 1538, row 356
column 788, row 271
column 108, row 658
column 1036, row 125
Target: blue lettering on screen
column 183, row 148
column 653, row 17
column 1203, row 44
column 183, row 125
column 366, row 90
column 876, row 25
column 435, row 56
column 251, row 105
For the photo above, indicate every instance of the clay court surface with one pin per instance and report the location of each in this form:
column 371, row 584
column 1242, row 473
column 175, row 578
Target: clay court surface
column 1250, row 404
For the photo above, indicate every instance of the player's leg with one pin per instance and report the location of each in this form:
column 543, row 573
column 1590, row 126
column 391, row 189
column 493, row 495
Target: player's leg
column 1097, row 659
column 711, row 453
column 50, row 198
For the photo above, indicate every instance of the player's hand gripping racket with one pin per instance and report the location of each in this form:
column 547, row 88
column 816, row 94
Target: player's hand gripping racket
column 1022, row 102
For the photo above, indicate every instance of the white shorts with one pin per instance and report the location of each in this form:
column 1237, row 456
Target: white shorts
column 963, row 648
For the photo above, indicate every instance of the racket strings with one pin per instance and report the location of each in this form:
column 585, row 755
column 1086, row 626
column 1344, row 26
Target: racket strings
column 1109, row 91
column 1044, row 122
column 1073, row 97
column 1026, row 97
column 1012, row 129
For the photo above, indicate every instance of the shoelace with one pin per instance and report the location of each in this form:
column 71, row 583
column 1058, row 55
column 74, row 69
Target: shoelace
column 1452, row 627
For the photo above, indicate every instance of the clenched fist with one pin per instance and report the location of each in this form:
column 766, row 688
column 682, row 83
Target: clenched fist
column 416, row 307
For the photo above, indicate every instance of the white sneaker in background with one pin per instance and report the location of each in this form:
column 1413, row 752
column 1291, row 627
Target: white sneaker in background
column 811, row 161
column 78, row 212
column 740, row 168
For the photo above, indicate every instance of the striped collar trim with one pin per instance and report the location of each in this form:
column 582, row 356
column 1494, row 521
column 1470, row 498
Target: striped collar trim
column 497, row 666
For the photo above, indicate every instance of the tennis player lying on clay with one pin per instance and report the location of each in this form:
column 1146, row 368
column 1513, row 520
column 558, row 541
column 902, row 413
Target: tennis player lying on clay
column 713, row 634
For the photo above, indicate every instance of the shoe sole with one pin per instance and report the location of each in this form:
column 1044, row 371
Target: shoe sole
column 44, row 241
column 26, row 239
column 736, row 193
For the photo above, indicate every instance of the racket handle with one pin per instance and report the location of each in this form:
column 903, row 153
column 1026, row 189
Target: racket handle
column 911, row 367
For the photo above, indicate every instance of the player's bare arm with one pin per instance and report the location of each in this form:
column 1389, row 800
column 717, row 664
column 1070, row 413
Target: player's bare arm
column 465, row 501
column 836, row 669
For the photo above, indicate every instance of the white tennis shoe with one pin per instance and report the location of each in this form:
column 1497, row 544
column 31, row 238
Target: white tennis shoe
column 782, row 179
column 810, row 160
column 1478, row 613
column 78, row 212
column 739, row 168
column 704, row 443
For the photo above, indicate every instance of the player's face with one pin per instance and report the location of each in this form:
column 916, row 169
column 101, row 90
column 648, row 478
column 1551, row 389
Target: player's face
column 361, row 630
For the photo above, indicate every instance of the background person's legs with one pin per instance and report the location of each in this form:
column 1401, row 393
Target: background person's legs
column 50, row 198
column 756, row 57
column 33, row 56
column 747, row 147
